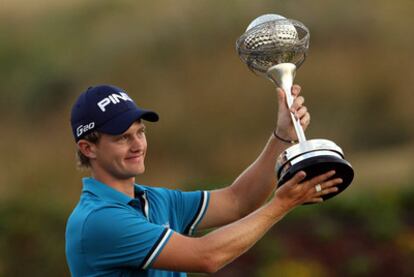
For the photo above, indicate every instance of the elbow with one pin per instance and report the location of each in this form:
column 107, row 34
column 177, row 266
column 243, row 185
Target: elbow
column 212, row 263
column 210, row 266
column 211, row 270
column 210, row 258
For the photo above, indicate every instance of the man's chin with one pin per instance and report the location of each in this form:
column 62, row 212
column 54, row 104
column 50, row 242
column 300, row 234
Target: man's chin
column 138, row 171
column 130, row 175
column 130, row 171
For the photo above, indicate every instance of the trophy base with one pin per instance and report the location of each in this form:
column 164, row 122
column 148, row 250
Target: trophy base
column 315, row 157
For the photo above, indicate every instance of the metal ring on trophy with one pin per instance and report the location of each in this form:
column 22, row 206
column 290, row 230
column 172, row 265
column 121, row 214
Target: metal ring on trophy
column 275, row 47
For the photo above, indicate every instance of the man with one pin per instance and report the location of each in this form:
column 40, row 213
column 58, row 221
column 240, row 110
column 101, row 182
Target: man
column 120, row 228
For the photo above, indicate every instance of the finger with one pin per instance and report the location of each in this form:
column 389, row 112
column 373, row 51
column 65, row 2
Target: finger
column 301, row 112
column 296, row 90
column 297, row 103
column 305, row 120
column 327, row 191
column 315, row 200
column 319, row 179
column 297, row 178
column 331, row 183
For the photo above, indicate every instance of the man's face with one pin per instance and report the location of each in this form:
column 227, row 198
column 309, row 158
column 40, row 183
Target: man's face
column 122, row 156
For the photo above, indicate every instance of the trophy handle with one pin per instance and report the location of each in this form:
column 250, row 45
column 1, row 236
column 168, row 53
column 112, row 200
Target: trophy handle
column 282, row 75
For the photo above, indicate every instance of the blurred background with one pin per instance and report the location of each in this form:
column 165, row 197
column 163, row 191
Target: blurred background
column 179, row 58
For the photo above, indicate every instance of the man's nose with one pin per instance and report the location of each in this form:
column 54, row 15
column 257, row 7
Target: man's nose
column 137, row 143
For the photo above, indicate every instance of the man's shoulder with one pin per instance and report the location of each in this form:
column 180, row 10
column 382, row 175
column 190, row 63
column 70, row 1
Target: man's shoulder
column 90, row 207
column 154, row 189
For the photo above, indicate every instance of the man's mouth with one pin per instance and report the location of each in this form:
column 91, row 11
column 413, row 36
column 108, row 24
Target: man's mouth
column 135, row 158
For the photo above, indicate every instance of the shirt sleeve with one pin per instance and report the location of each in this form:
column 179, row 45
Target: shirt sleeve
column 190, row 208
column 117, row 237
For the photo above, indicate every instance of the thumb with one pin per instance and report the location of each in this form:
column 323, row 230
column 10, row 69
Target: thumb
column 281, row 98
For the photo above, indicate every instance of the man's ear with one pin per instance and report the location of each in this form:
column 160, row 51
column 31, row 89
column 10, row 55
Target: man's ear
column 87, row 148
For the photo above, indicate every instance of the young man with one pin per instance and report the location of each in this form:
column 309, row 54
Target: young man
column 120, row 228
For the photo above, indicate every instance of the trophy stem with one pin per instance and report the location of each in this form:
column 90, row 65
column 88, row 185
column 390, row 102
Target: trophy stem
column 282, row 75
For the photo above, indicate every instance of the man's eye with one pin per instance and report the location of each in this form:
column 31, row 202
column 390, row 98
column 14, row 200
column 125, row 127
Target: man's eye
column 124, row 137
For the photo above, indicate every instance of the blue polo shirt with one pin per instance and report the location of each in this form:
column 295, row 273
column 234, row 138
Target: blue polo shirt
column 112, row 234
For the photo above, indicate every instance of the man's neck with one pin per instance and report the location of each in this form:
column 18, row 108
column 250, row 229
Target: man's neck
column 125, row 186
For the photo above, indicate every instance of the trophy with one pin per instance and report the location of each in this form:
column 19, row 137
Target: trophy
column 274, row 46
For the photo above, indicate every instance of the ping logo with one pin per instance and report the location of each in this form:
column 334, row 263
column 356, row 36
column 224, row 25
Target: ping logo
column 113, row 99
column 84, row 128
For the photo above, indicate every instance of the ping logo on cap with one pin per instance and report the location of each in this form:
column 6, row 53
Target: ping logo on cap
column 113, row 98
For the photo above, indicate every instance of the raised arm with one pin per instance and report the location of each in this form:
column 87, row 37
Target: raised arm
column 254, row 186
column 216, row 249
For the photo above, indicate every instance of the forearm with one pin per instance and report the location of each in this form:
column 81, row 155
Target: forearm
column 225, row 244
column 253, row 187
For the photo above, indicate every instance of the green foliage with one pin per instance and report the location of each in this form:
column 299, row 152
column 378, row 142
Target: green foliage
column 359, row 265
column 364, row 234
column 32, row 237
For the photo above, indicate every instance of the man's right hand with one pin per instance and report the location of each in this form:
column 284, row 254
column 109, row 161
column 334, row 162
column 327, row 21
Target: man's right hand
column 297, row 192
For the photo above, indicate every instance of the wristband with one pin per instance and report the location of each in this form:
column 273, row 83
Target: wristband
column 282, row 139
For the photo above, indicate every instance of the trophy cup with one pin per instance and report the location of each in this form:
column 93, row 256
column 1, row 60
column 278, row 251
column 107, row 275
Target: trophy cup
column 274, row 46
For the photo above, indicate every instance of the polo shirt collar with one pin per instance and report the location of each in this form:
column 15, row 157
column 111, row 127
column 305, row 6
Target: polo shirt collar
column 108, row 193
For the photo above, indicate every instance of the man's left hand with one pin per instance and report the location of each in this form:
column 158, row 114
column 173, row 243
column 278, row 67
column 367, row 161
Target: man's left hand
column 285, row 128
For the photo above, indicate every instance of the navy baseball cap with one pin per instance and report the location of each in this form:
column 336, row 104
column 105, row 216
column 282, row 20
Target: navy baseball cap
column 107, row 109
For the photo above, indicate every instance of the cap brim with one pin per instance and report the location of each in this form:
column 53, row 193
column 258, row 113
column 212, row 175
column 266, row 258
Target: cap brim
column 121, row 123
